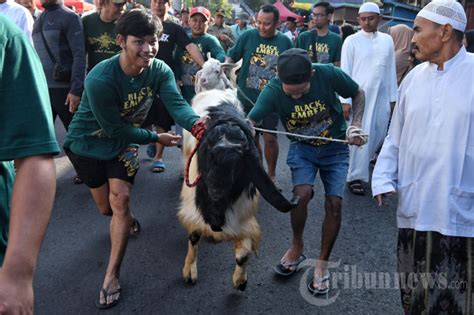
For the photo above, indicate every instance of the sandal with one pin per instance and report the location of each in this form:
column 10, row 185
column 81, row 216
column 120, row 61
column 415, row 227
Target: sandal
column 151, row 150
column 158, row 167
column 356, row 188
column 322, row 285
column 135, row 228
column 106, row 295
column 289, row 269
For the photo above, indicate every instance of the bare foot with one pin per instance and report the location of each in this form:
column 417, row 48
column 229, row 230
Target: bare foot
column 292, row 254
column 321, row 275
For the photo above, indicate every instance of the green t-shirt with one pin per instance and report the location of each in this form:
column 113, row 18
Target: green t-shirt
column 259, row 58
column 327, row 48
column 26, row 123
column 114, row 105
column 99, row 38
column 317, row 113
column 187, row 69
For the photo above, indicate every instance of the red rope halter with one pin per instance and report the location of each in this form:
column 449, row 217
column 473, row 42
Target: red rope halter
column 197, row 131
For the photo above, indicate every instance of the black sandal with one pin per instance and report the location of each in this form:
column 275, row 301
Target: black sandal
column 356, row 188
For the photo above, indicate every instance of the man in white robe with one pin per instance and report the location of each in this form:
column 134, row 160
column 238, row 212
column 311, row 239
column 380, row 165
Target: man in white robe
column 369, row 58
column 428, row 158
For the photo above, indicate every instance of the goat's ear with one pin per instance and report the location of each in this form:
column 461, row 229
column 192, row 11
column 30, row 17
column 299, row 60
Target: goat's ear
column 197, row 82
column 227, row 66
column 227, row 83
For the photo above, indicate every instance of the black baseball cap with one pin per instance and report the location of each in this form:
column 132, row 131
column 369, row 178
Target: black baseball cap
column 294, row 66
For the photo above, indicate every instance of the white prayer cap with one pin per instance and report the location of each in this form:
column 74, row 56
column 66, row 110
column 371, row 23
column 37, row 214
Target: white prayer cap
column 369, row 7
column 445, row 12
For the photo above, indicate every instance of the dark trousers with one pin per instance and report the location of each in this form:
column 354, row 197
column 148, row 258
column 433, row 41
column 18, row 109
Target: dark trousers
column 57, row 97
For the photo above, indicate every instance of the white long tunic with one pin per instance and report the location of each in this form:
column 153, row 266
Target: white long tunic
column 369, row 58
column 19, row 15
column 428, row 155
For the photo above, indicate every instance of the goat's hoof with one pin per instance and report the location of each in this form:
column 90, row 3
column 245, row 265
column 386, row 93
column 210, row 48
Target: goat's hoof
column 242, row 286
column 190, row 281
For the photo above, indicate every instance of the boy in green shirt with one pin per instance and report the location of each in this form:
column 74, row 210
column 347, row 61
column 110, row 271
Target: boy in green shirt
column 102, row 142
column 305, row 97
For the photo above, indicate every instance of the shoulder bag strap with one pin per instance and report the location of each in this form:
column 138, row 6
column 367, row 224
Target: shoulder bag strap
column 314, row 58
column 44, row 39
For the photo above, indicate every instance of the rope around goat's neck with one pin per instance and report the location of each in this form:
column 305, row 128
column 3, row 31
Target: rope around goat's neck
column 351, row 133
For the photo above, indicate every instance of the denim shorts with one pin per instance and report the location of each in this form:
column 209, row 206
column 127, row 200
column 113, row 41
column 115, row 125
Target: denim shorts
column 332, row 161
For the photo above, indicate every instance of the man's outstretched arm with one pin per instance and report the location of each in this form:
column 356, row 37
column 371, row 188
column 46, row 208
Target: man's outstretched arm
column 32, row 201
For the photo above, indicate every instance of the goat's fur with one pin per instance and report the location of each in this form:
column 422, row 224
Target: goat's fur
column 224, row 203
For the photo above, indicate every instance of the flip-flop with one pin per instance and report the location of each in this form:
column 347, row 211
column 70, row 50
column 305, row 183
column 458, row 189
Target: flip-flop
column 151, row 150
column 135, row 228
column 318, row 291
column 289, row 269
column 106, row 295
column 158, row 167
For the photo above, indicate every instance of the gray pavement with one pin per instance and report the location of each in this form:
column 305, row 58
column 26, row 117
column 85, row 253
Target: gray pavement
column 74, row 255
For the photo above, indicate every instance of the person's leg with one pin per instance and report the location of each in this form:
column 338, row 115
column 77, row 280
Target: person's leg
column 119, row 197
column 303, row 173
column 58, row 99
column 298, row 221
column 271, row 144
column 333, row 162
column 271, row 153
column 163, row 122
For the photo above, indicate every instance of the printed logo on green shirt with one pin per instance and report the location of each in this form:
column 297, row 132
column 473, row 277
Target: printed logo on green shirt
column 322, row 52
column 310, row 119
column 103, row 43
column 190, row 68
column 262, row 66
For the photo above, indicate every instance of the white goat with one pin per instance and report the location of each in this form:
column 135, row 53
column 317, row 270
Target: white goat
column 213, row 75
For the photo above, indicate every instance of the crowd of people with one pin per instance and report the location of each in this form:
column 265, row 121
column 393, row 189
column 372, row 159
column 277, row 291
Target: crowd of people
column 120, row 77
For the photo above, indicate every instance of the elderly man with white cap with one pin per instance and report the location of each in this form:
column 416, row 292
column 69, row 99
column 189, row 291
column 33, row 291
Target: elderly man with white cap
column 428, row 158
column 369, row 58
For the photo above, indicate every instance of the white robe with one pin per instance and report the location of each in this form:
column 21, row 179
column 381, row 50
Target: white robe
column 369, row 58
column 19, row 15
column 428, row 155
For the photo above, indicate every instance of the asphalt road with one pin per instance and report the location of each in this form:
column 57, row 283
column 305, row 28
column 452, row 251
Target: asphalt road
column 74, row 255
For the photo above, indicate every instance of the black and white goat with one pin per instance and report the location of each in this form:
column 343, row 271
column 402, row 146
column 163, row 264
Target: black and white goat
column 224, row 203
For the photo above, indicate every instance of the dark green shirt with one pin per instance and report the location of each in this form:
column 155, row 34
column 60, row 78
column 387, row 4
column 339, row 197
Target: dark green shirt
column 26, row 122
column 114, row 106
column 259, row 57
column 99, row 38
column 327, row 48
column 317, row 113
column 187, row 68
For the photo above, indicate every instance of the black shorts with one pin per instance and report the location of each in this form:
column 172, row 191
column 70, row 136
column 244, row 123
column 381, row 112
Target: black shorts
column 159, row 116
column 95, row 173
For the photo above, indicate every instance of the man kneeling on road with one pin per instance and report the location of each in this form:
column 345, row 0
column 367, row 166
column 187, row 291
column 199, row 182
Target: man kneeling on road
column 305, row 97
column 104, row 134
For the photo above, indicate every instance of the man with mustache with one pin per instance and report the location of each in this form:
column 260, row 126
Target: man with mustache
column 428, row 158
column 103, row 138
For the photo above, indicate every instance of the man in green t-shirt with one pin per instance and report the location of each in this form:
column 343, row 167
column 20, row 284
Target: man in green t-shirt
column 99, row 31
column 323, row 46
column 199, row 18
column 305, row 97
column 28, row 138
column 102, row 142
column 259, row 48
